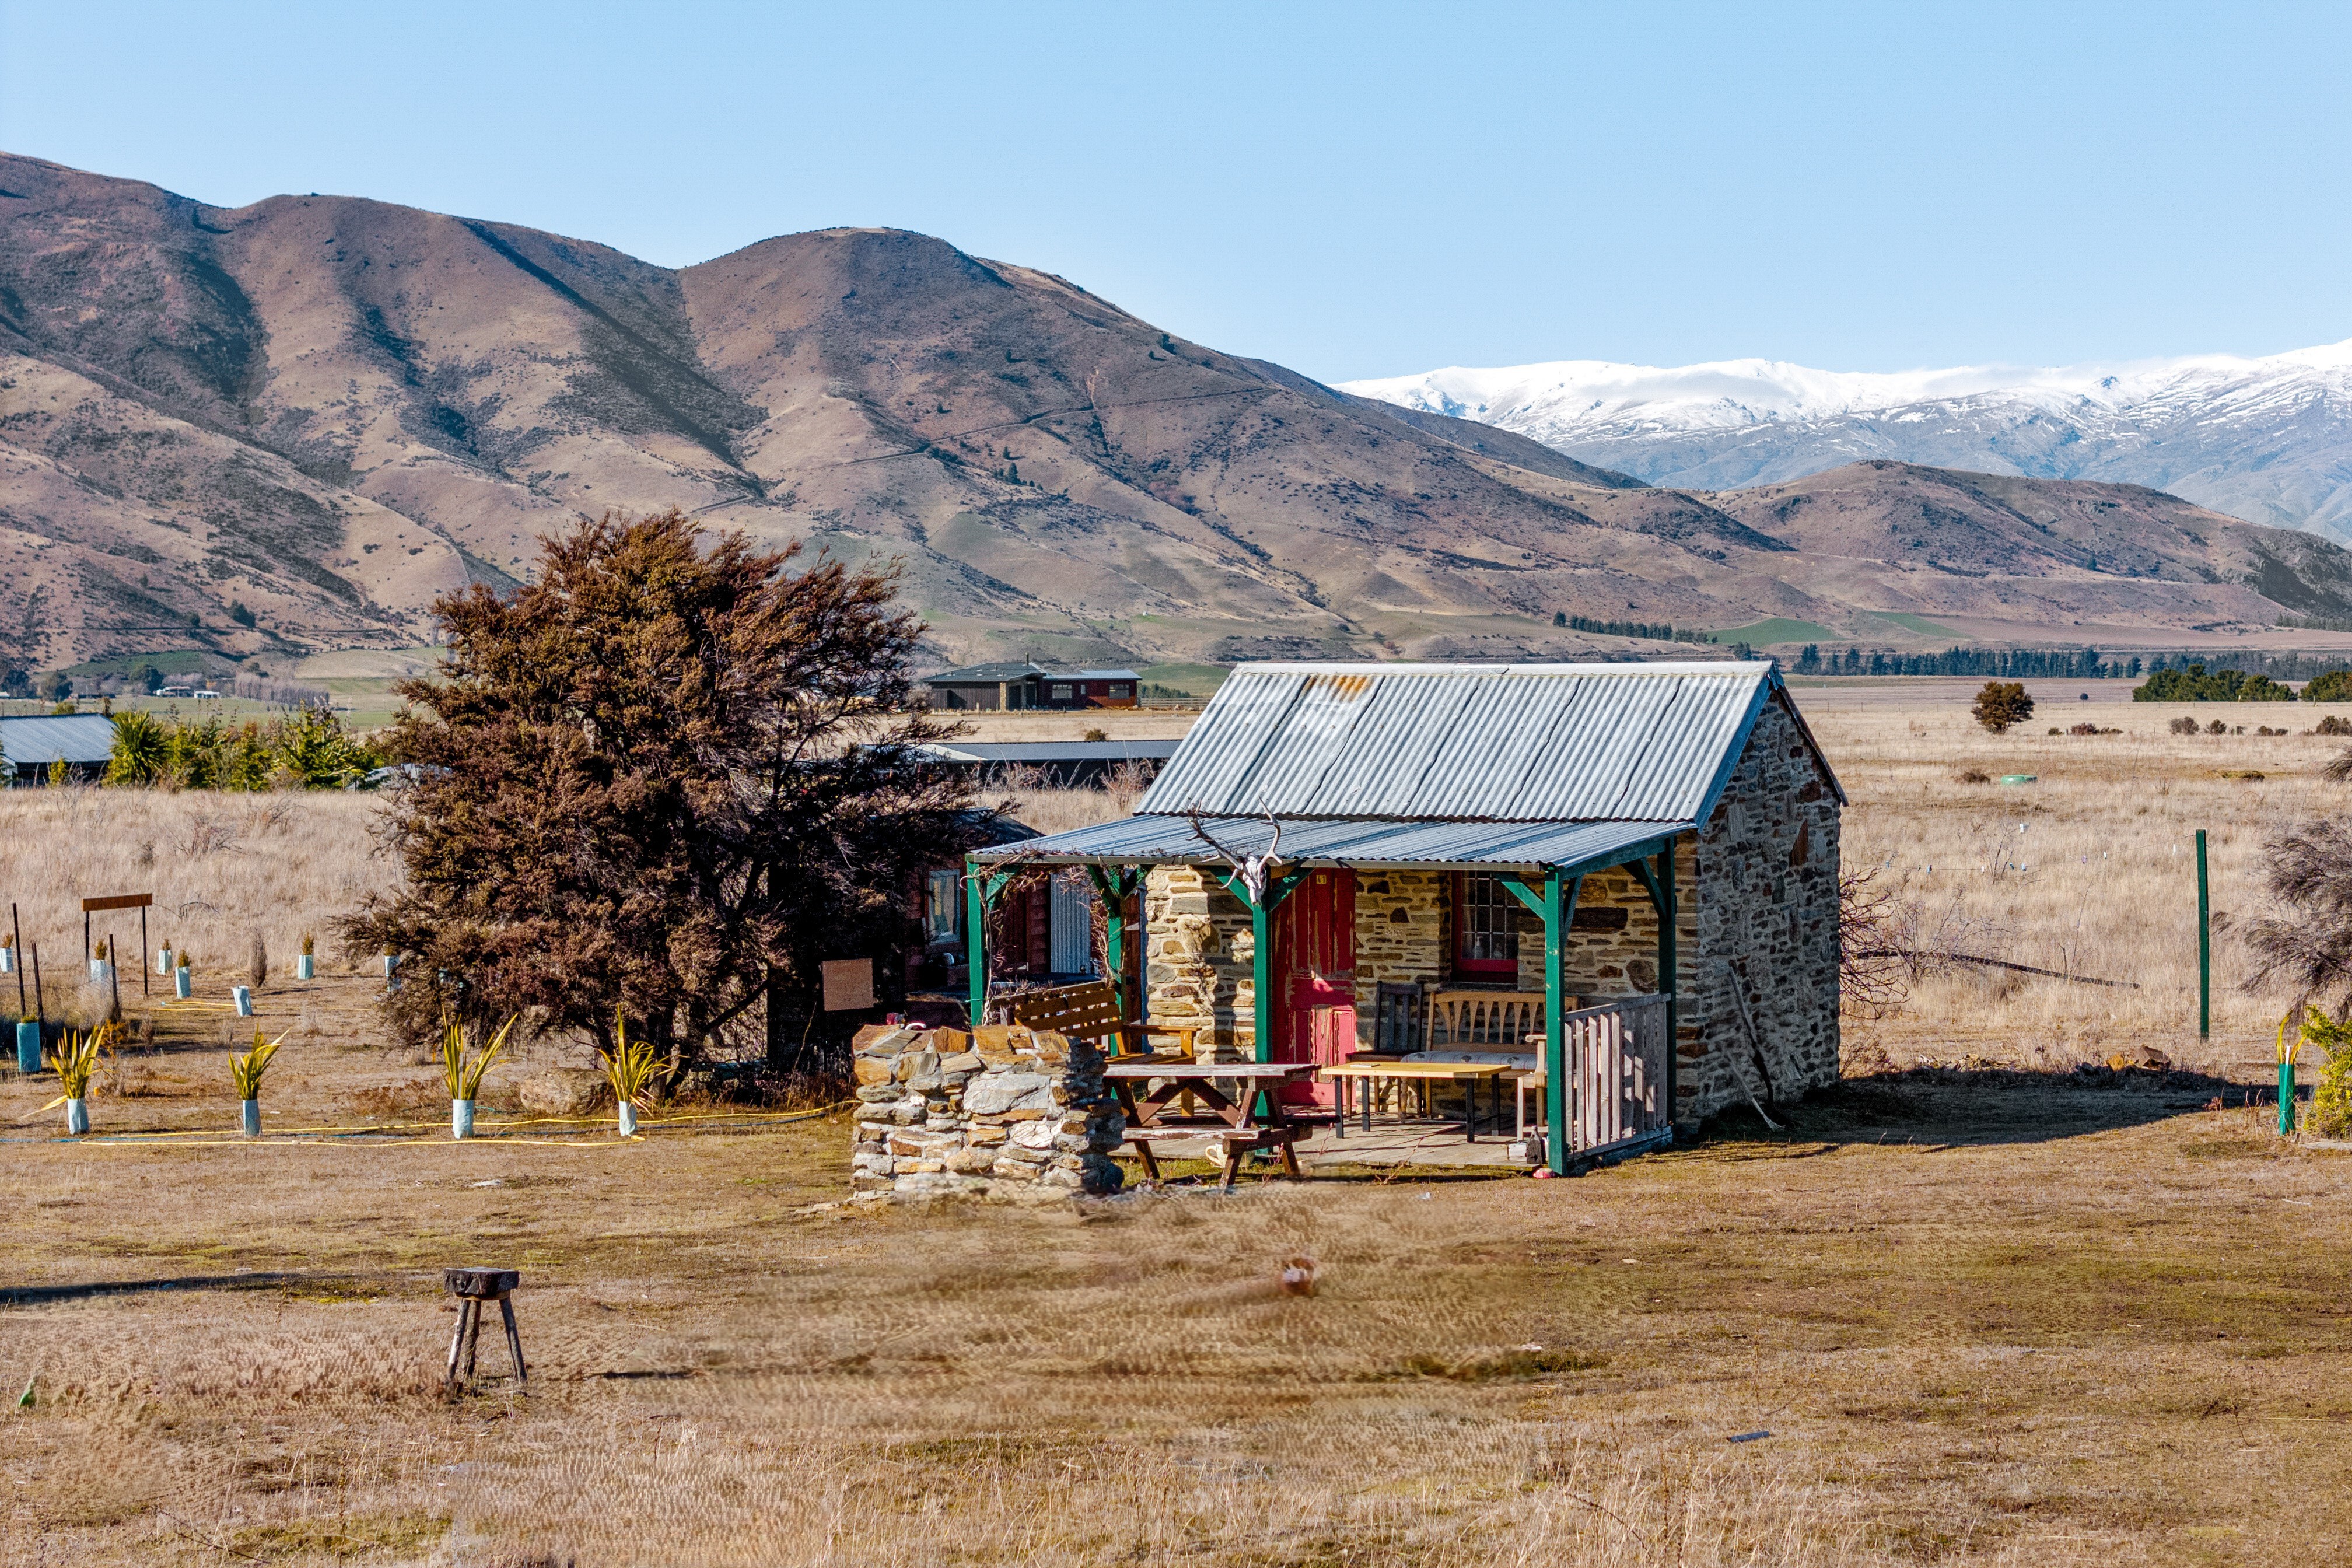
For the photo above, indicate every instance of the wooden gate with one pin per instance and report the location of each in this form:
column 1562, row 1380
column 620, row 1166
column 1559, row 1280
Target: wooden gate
column 1616, row 1073
column 1315, row 968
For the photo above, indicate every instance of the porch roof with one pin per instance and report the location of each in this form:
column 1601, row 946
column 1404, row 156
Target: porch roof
column 1165, row 839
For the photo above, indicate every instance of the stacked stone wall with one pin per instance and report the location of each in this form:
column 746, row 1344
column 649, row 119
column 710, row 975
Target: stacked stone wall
column 1766, row 904
column 997, row 1113
column 1197, row 963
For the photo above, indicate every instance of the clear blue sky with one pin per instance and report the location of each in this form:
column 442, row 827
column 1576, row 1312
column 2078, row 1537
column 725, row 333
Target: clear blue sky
column 1350, row 190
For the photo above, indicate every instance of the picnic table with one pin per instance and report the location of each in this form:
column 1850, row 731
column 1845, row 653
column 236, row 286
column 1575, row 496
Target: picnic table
column 1470, row 1074
column 1256, row 1119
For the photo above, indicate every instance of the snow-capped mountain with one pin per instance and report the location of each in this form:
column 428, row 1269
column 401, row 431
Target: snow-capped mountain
column 2268, row 439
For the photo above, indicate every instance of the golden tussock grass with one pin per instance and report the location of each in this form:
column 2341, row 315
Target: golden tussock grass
column 223, row 869
column 2090, row 870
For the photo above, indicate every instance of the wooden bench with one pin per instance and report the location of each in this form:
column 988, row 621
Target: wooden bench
column 1091, row 1012
column 1483, row 1020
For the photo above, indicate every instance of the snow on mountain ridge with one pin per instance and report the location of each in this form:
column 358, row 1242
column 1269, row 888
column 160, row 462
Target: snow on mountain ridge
column 2267, row 437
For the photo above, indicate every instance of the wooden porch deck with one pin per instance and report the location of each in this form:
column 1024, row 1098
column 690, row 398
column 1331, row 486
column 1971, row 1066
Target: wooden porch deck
column 1433, row 1144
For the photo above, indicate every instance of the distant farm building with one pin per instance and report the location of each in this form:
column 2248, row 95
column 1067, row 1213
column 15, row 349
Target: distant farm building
column 1024, row 685
column 82, row 741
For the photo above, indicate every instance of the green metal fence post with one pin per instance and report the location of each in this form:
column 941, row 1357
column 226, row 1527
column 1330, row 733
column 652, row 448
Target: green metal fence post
column 2204, row 947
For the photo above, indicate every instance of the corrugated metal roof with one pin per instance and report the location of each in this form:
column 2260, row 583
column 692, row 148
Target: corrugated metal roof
column 1537, row 742
column 66, row 737
column 1170, row 840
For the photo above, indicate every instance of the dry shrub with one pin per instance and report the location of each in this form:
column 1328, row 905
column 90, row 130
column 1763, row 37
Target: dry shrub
column 2305, row 940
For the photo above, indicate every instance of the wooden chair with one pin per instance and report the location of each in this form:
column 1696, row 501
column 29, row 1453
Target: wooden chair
column 1091, row 1011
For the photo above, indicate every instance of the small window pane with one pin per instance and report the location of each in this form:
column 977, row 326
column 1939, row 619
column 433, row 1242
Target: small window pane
column 943, row 912
column 1490, row 923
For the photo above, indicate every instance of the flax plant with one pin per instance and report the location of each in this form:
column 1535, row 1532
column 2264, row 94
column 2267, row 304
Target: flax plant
column 629, row 1068
column 246, row 1071
column 74, row 1061
column 465, row 1074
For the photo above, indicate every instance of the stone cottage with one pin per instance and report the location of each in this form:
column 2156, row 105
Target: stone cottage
column 1344, row 858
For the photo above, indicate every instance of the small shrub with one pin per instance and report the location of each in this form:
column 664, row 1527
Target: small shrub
column 257, row 971
column 2333, row 724
column 2085, row 730
column 1973, row 775
column 2215, row 727
column 1095, row 734
column 2002, row 703
column 2184, row 725
column 2331, row 1103
column 2054, row 730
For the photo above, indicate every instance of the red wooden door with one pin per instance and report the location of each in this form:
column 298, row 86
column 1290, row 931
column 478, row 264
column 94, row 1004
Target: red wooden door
column 1314, row 972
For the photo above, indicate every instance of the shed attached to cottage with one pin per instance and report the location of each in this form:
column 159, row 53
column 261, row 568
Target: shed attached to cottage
column 1635, row 865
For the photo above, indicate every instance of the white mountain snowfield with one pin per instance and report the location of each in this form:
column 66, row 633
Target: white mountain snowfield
column 2268, row 439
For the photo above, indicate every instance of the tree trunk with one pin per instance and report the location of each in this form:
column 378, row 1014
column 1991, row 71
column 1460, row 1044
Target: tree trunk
column 782, row 1047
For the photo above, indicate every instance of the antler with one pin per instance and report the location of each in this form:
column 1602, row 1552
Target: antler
column 1253, row 870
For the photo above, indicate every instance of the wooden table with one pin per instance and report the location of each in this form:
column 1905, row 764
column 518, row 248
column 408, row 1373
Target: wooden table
column 1468, row 1074
column 1254, row 1121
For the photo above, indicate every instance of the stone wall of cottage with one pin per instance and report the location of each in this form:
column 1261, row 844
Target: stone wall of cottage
column 999, row 1112
column 1612, row 937
column 1197, row 962
column 1766, row 905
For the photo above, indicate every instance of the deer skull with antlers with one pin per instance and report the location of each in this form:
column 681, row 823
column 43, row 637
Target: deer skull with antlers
column 1255, row 870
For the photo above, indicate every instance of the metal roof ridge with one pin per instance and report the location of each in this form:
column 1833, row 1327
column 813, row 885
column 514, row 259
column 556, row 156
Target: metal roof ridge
column 1725, row 666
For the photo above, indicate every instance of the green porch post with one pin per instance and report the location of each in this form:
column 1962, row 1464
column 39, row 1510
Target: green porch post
column 975, row 938
column 1116, row 888
column 1262, row 957
column 1261, row 950
column 1261, row 978
column 979, row 894
column 1555, row 906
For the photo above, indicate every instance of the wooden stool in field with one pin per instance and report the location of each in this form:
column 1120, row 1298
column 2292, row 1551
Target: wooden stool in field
column 474, row 1287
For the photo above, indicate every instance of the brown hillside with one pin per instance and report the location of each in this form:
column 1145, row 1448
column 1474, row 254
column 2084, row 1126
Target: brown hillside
column 333, row 409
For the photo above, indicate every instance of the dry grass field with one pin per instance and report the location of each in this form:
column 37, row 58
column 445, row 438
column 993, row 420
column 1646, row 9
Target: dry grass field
column 1977, row 1314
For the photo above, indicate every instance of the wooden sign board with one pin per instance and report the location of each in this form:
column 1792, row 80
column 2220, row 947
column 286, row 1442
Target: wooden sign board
column 848, row 985
column 119, row 901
